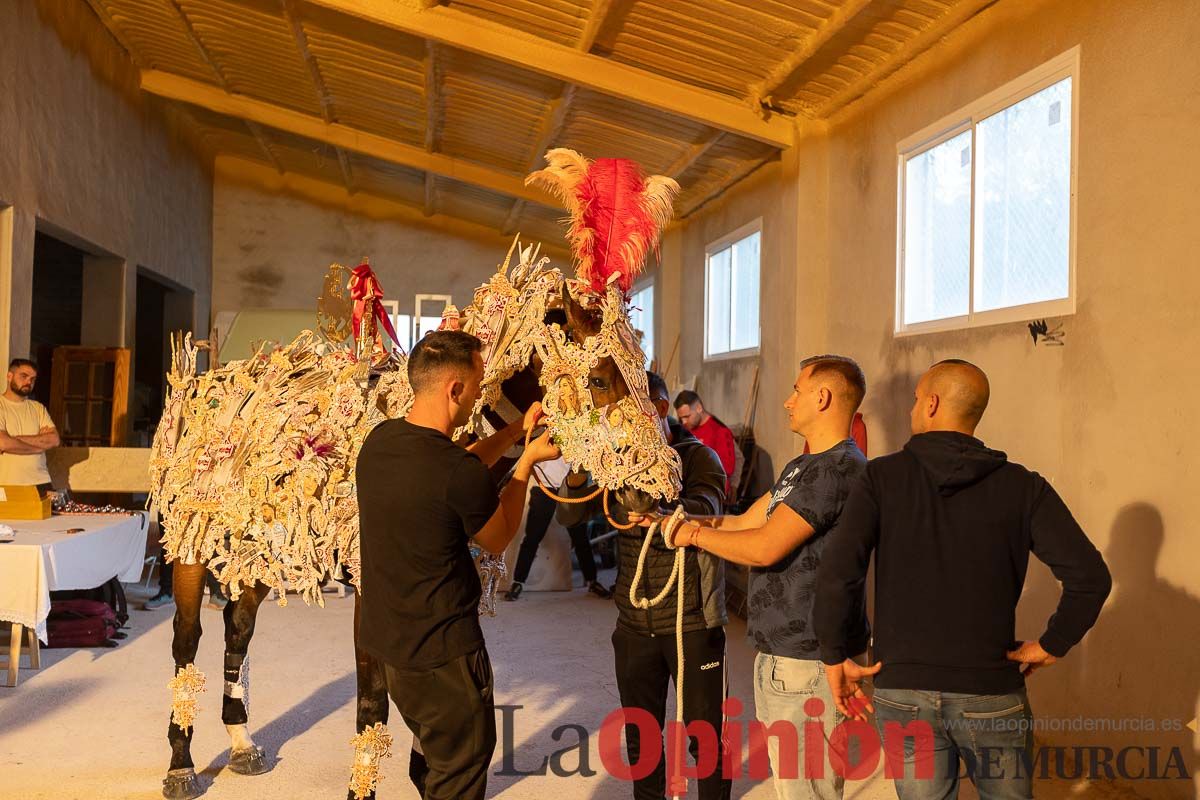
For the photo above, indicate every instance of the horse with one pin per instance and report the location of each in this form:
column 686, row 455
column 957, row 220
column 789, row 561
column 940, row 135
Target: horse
column 252, row 464
column 252, row 469
column 297, row 372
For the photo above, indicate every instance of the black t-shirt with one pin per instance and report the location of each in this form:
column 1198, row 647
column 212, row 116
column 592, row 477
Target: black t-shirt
column 781, row 596
column 420, row 498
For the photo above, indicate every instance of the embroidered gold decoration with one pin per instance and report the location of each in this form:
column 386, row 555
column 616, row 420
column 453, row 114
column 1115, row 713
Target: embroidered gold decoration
column 370, row 746
column 252, row 467
column 187, row 683
column 334, row 307
column 620, row 445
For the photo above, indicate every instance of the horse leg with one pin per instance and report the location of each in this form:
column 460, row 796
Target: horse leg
column 371, row 720
column 245, row 757
column 181, row 782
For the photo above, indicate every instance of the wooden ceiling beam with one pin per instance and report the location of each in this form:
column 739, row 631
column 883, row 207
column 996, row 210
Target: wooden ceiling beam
column 314, row 72
column 595, row 22
column 318, row 190
column 693, row 154
column 552, row 125
column 258, row 133
column 514, row 215
column 264, row 142
column 204, row 95
column 432, row 124
column 457, row 29
column 786, row 69
column 344, row 165
column 430, row 205
column 724, row 187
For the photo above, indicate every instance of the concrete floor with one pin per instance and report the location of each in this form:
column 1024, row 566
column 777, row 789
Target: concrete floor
column 92, row 723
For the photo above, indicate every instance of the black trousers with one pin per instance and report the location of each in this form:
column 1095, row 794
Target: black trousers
column 541, row 511
column 645, row 667
column 451, row 711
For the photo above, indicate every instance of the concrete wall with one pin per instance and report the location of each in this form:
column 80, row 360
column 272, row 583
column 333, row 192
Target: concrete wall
column 1108, row 418
column 275, row 236
column 82, row 158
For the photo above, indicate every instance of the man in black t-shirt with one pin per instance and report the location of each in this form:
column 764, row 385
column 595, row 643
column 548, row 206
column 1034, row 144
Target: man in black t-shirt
column 421, row 498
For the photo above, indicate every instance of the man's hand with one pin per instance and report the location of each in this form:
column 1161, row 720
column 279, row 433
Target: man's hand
column 644, row 519
column 532, row 415
column 684, row 534
column 844, row 682
column 1033, row 656
column 541, row 449
column 577, row 478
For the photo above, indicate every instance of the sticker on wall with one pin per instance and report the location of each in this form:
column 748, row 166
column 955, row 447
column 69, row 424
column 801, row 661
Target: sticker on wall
column 1041, row 332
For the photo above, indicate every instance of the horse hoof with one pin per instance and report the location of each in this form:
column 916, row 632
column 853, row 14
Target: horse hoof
column 181, row 784
column 251, row 761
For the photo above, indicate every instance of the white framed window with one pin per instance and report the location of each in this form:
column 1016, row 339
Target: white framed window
column 428, row 313
column 411, row 327
column 986, row 223
column 732, row 271
column 641, row 317
column 401, row 322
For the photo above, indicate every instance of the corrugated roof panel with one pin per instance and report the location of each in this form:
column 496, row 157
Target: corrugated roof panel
column 884, row 32
column 470, row 202
column 491, row 113
column 604, row 127
column 560, row 21
column 254, row 48
column 537, row 223
column 313, row 159
column 222, row 135
column 387, row 179
column 721, row 45
column 725, row 162
column 375, row 77
column 158, row 37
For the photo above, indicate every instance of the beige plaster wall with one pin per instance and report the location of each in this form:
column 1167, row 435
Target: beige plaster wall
column 274, row 237
column 82, row 158
column 769, row 194
column 1109, row 418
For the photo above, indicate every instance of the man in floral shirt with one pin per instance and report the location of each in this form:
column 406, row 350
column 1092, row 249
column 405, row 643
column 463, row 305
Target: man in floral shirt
column 781, row 537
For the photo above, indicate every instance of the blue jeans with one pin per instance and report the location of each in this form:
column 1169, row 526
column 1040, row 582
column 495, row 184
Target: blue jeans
column 782, row 687
column 992, row 734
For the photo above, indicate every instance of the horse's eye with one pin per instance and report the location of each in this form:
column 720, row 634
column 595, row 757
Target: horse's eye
column 599, row 383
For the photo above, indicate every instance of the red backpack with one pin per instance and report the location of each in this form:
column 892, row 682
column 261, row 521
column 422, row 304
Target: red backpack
column 81, row 623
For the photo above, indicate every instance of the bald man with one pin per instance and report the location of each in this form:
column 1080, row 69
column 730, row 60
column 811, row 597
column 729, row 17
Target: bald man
column 952, row 524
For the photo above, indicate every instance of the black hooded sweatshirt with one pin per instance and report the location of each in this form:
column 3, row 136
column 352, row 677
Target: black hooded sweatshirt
column 952, row 524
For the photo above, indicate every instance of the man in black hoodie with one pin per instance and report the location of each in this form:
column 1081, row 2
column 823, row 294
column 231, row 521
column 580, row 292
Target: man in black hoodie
column 644, row 641
column 952, row 524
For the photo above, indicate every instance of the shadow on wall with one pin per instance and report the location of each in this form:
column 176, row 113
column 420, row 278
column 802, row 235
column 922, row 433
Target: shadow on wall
column 1135, row 678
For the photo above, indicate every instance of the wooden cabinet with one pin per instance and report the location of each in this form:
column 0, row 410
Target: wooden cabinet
column 89, row 395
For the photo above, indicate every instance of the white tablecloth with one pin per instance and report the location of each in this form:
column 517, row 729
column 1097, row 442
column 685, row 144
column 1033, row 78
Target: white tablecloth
column 44, row 558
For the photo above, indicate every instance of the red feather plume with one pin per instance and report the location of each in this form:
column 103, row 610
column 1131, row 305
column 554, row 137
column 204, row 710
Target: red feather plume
column 616, row 213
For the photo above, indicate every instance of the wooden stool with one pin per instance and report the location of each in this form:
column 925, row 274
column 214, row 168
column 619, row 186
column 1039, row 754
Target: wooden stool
column 14, row 651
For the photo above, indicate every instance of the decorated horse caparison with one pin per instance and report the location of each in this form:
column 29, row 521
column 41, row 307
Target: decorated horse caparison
column 252, row 467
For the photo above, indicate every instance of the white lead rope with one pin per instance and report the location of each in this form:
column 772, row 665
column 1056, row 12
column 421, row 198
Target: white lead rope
column 677, row 579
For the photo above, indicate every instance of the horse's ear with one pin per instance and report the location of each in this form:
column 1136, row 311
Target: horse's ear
column 576, row 317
